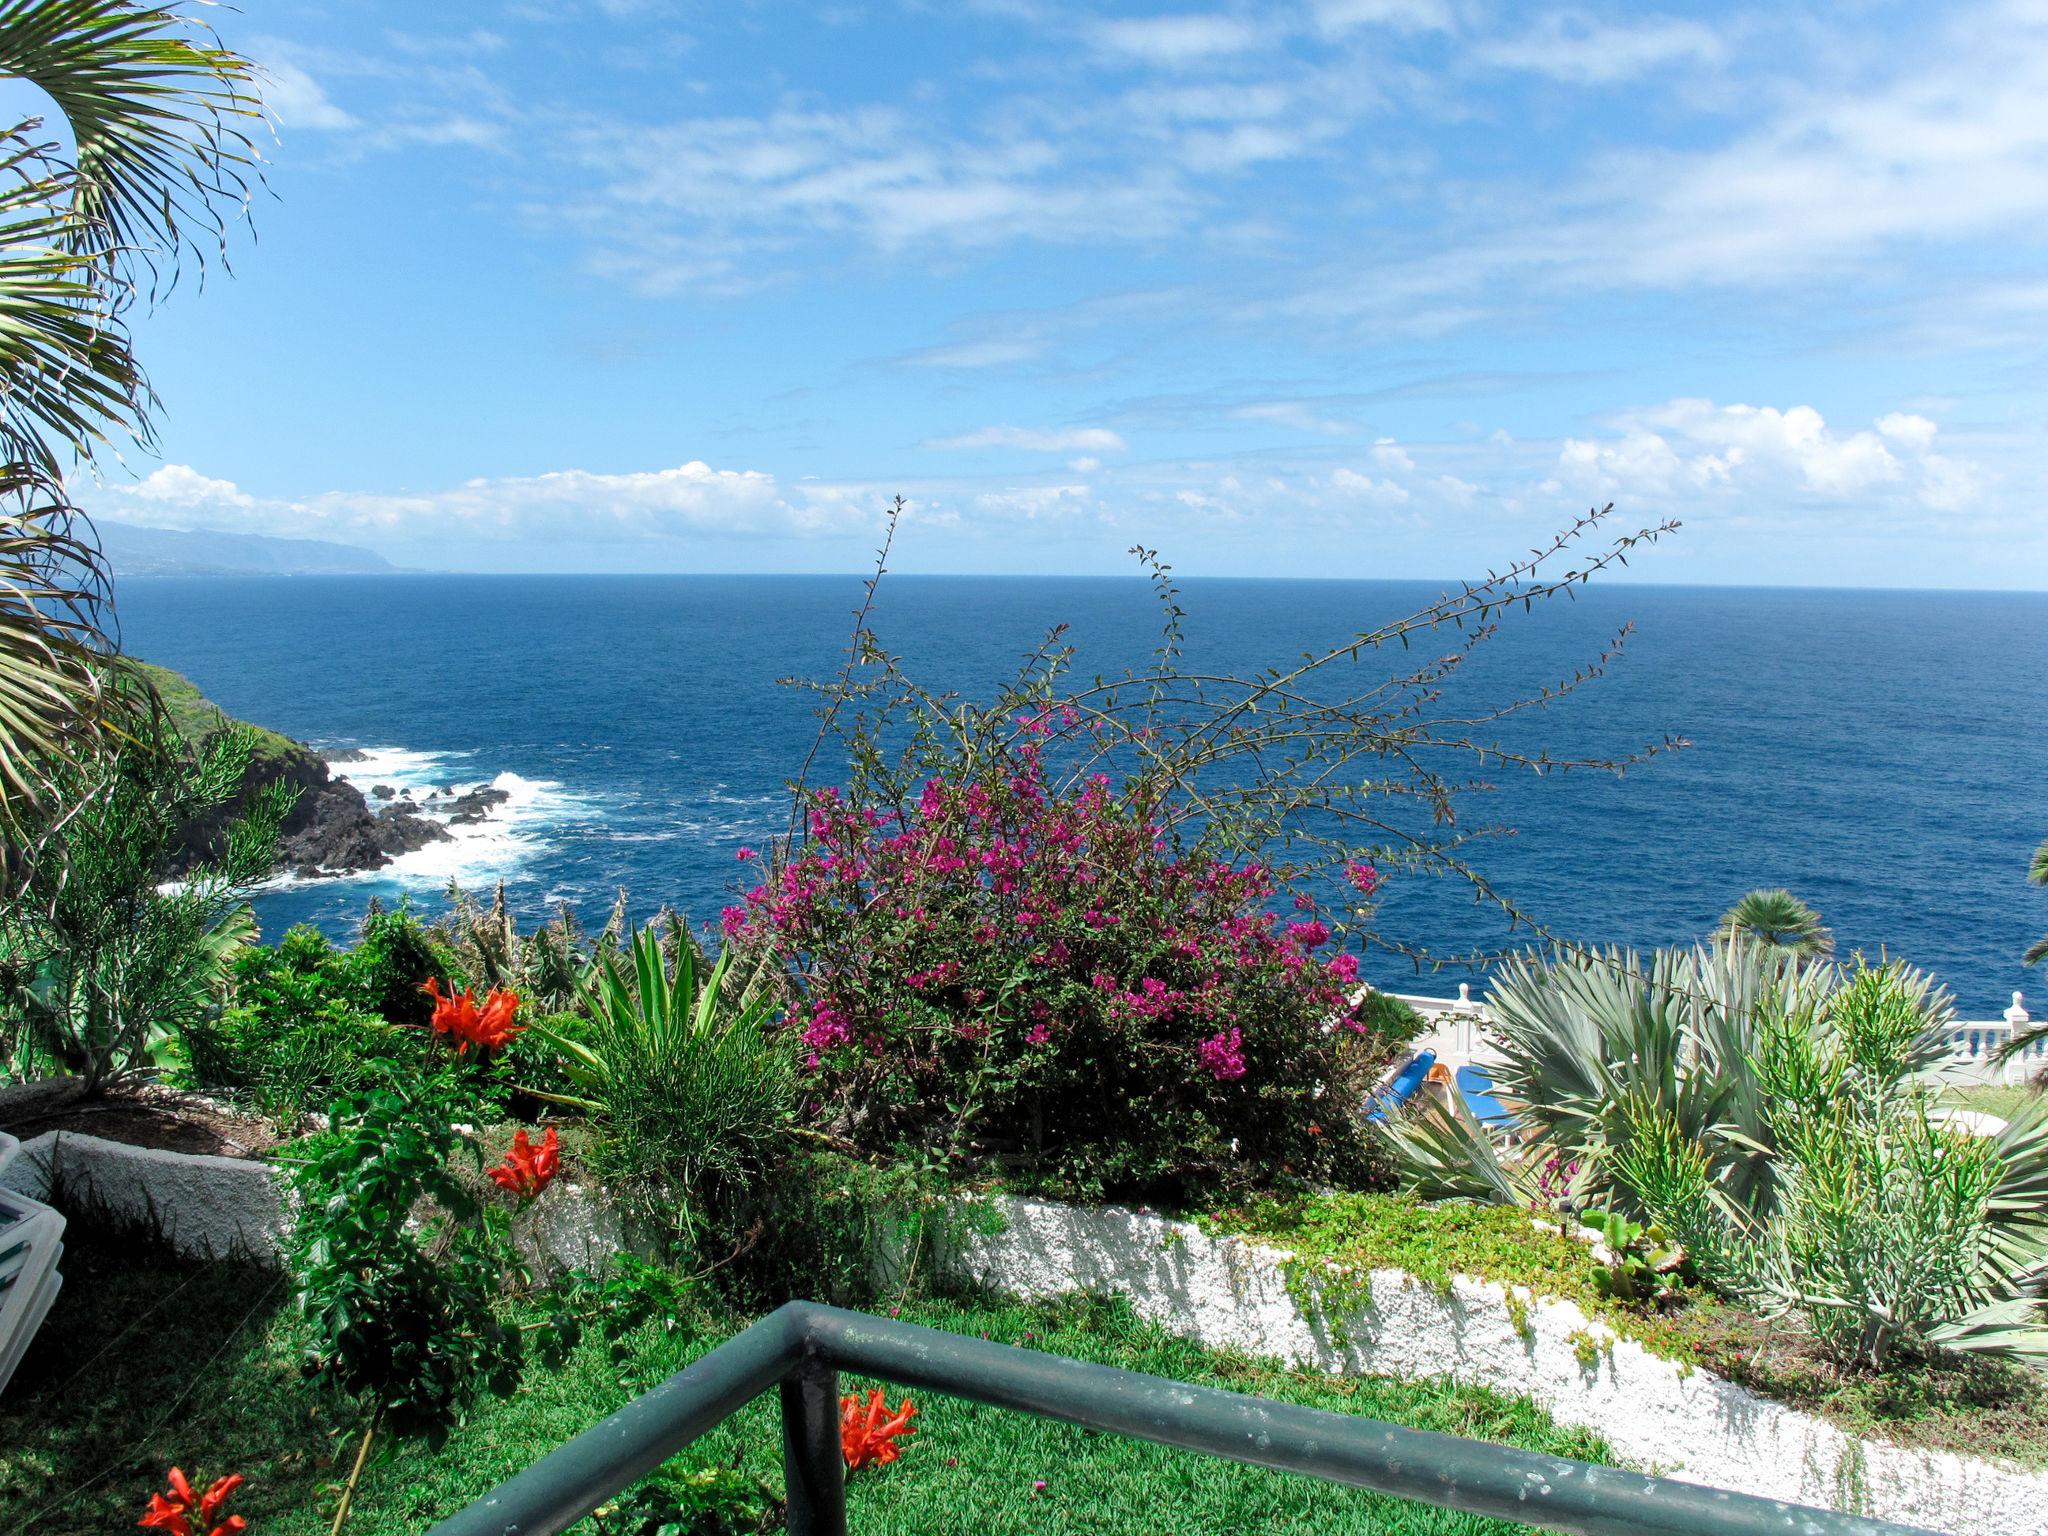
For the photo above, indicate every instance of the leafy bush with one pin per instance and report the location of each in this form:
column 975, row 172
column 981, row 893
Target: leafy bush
column 397, row 1261
column 395, row 955
column 299, row 1032
column 689, row 1087
column 1885, row 1229
column 1042, row 975
column 101, row 964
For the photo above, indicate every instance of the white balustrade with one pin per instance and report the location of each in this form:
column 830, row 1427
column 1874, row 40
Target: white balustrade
column 1456, row 1031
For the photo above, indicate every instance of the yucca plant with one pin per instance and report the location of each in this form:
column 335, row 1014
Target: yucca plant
column 159, row 162
column 1778, row 921
column 690, row 1089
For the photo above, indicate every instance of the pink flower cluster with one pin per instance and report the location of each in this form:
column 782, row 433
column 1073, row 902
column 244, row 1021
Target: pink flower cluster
column 1047, row 941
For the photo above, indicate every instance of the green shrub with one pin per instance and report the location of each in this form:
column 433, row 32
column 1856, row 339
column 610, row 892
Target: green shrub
column 1885, row 1230
column 1772, row 1117
column 398, row 1263
column 394, row 957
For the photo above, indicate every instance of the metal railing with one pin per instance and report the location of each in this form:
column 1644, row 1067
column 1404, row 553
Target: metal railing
column 802, row 1347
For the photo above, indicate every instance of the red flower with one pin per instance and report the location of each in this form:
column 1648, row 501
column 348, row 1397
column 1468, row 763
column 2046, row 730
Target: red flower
column 174, row 1514
column 527, row 1169
column 458, row 1016
column 868, row 1433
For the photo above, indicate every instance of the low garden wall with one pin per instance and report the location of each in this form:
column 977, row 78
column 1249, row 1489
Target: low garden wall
column 207, row 1207
column 1656, row 1413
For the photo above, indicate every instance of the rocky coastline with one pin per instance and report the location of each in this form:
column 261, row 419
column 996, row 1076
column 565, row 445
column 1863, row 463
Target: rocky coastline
column 333, row 829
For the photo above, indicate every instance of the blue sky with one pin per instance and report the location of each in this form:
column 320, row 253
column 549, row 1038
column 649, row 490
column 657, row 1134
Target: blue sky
column 1330, row 287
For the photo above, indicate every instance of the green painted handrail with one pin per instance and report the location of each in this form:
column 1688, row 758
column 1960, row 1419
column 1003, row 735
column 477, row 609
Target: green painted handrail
column 802, row 1347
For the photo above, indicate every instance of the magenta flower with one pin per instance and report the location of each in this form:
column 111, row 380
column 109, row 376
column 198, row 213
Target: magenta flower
column 1363, row 877
column 1223, row 1055
column 745, row 854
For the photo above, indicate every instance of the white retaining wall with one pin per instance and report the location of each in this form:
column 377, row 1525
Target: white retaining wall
column 1688, row 1424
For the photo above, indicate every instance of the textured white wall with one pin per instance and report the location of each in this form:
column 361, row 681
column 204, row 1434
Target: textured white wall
column 1691, row 1425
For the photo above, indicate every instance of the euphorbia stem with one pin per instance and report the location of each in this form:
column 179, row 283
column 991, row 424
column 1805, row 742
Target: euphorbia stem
column 355, row 1472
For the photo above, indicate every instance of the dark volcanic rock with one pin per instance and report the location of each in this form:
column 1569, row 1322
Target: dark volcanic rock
column 476, row 805
column 345, row 755
column 330, row 829
column 381, row 791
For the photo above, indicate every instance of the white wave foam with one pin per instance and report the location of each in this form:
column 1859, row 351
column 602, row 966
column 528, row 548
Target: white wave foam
column 510, row 834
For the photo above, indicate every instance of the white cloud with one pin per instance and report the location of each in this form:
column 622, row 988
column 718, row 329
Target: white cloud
column 1350, row 484
column 1574, row 47
column 1692, row 449
column 1299, row 415
column 180, row 485
column 296, row 100
column 1389, row 454
column 1175, row 40
column 576, row 504
column 1035, row 439
column 1908, row 430
column 1339, row 16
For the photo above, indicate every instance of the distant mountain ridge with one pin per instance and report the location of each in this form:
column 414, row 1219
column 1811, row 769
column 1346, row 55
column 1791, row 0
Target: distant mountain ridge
column 133, row 550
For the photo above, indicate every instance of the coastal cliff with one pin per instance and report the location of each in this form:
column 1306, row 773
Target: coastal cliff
column 332, row 829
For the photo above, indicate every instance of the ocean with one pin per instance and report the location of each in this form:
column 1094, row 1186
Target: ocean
column 1882, row 754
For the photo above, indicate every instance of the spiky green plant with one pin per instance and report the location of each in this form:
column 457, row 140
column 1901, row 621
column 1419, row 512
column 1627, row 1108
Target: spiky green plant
column 690, row 1088
column 1888, row 1230
column 1776, row 920
column 159, row 162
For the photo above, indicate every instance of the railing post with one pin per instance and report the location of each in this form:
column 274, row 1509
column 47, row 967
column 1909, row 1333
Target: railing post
column 812, row 1467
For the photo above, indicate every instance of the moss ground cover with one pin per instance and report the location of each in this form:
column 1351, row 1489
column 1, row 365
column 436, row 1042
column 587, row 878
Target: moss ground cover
column 146, row 1363
column 1983, row 1408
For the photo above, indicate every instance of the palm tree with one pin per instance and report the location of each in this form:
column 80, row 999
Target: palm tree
column 1776, row 920
column 146, row 166
column 2038, row 874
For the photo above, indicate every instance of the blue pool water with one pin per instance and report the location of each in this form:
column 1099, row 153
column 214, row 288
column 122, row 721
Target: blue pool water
column 1881, row 753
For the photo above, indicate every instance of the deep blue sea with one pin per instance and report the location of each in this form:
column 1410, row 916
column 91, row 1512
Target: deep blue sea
column 1880, row 753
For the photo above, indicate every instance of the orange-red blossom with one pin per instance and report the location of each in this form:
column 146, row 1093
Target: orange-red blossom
column 868, row 1432
column 173, row 1513
column 458, row 1015
column 527, row 1169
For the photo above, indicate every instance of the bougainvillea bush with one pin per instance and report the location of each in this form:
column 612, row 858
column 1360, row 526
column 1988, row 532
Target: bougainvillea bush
column 1043, row 977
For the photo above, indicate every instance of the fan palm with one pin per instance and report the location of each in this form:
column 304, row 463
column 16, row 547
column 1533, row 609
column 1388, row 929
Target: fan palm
column 1777, row 920
column 146, row 166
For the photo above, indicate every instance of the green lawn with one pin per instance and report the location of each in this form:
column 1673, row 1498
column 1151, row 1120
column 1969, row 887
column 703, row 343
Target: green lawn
column 145, row 1363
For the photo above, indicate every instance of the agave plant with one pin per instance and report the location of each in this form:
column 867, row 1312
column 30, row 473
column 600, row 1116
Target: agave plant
column 679, row 1066
column 1778, row 921
column 159, row 164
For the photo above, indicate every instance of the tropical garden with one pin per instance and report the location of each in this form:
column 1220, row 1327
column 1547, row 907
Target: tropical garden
column 1095, row 938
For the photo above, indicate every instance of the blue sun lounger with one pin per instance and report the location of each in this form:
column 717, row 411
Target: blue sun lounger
column 1403, row 1087
column 1475, row 1084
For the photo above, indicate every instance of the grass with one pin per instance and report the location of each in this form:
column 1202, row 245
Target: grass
column 195, row 717
column 1975, row 1406
column 2005, row 1100
column 145, row 1363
